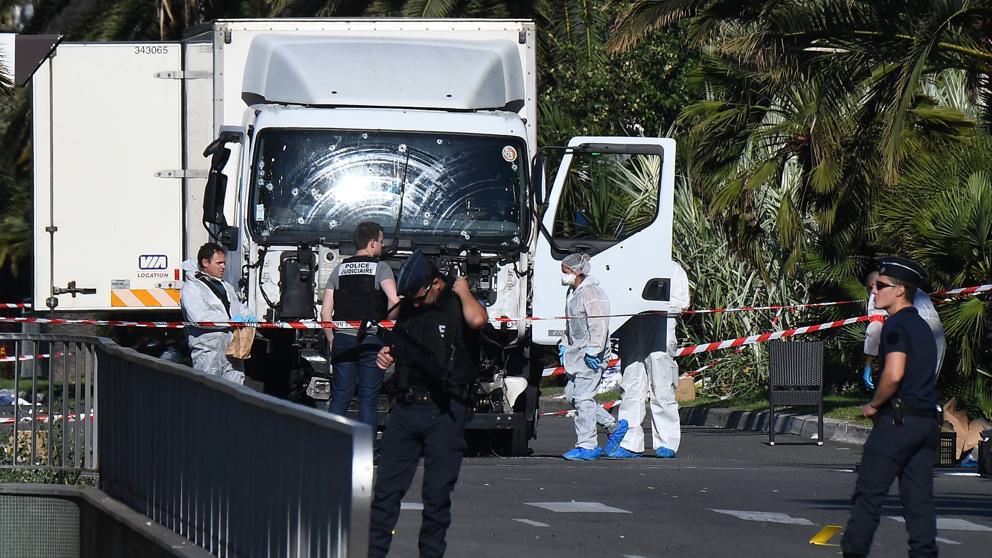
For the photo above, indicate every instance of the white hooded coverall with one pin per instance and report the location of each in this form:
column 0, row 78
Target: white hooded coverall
column 209, row 346
column 925, row 308
column 586, row 336
column 655, row 377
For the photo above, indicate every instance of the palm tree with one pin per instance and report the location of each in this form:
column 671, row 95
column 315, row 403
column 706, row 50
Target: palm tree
column 884, row 51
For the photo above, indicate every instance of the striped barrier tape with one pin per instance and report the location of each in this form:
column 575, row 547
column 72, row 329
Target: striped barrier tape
column 22, row 358
column 568, row 412
column 314, row 324
column 964, row 291
column 740, row 341
column 764, row 337
column 71, row 417
column 15, row 305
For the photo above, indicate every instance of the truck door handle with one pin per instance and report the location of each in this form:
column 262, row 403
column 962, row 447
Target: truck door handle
column 72, row 289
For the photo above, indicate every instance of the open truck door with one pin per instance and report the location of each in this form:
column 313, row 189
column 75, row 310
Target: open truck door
column 107, row 168
column 612, row 198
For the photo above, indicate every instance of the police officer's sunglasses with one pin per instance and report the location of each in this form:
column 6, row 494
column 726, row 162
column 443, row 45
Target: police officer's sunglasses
column 879, row 285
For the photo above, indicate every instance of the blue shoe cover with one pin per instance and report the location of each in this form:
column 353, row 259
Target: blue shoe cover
column 582, row 454
column 622, row 453
column 615, row 437
column 665, row 453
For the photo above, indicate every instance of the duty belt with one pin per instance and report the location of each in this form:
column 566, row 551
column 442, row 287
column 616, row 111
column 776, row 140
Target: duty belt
column 898, row 410
column 416, row 395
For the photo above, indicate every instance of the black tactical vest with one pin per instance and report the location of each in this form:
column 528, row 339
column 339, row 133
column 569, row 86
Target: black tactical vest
column 441, row 331
column 357, row 297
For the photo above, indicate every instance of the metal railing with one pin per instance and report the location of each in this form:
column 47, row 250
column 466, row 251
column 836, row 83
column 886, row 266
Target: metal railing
column 237, row 472
column 51, row 422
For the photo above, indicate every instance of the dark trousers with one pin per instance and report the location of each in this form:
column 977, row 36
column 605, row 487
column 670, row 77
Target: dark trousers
column 413, row 430
column 354, row 365
column 906, row 452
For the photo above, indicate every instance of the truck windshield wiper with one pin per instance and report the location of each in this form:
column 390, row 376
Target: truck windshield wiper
column 399, row 214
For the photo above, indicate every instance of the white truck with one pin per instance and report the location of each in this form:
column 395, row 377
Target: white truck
column 277, row 137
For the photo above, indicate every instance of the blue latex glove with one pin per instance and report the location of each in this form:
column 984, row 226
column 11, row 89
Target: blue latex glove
column 561, row 353
column 866, row 378
column 594, row 362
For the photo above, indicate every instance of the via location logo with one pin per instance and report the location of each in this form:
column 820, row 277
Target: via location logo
column 153, row 261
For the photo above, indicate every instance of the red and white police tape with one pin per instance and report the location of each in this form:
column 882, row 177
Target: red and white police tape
column 312, row 324
column 741, row 341
column 22, row 358
column 16, row 305
column 72, row 417
column 565, row 412
column 964, row 291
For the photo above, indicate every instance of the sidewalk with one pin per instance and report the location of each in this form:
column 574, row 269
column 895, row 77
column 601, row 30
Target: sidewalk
column 755, row 421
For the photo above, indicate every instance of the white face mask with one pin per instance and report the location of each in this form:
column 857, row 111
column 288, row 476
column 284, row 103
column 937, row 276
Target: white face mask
column 567, row 279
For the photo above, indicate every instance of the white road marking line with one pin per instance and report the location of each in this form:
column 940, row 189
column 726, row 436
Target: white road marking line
column 532, row 523
column 765, row 517
column 952, row 524
column 946, row 541
column 576, row 507
column 411, row 506
column 959, row 474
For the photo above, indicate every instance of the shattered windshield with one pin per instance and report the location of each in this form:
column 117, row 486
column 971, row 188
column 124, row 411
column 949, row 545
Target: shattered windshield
column 313, row 184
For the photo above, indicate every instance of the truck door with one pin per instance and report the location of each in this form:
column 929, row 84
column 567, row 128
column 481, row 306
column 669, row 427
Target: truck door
column 613, row 199
column 108, row 168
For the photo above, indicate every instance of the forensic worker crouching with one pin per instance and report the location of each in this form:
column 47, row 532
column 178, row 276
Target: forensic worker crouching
column 904, row 410
column 205, row 297
column 435, row 374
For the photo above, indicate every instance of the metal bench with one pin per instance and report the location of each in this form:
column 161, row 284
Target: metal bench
column 795, row 378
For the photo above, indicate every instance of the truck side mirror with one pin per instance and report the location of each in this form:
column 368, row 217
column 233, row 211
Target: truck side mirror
column 537, row 180
column 216, row 190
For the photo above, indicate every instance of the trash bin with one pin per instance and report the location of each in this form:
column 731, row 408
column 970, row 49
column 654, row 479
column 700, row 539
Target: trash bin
column 947, row 450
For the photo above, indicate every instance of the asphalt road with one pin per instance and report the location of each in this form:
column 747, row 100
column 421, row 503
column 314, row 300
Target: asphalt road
column 726, row 494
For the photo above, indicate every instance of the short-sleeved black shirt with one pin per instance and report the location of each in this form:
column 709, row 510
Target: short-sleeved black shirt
column 442, row 331
column 906, row 332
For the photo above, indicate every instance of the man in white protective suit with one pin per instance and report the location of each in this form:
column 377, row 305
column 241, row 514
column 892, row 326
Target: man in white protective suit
column 206, row 297
column 924, row 306
column 582, row 352
column 650, row 373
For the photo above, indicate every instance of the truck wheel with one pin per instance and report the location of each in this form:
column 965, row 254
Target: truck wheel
column 519, row 437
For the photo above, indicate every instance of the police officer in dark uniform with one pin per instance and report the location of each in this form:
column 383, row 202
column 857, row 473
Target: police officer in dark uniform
column 360, row 288
column 435, row 372
column 904, row 438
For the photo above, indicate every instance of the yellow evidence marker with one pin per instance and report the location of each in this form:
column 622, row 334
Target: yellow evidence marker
column 823, row 537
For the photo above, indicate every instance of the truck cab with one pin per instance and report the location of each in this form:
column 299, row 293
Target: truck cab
column 277, row 137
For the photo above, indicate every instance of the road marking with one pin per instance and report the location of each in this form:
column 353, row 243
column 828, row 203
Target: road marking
column 411, row 506
column 532, row 523
column 959, row 474
column 766, row 517
column 823, row 537
column 576, row 507
column 946, row 541
column 952, row 524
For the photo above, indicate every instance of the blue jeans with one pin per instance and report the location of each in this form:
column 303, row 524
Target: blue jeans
column 354, row 365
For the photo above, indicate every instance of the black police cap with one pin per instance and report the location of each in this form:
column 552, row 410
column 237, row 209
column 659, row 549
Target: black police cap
column 903, row 269
column 415, row 273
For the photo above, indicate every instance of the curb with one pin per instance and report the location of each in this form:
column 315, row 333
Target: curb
column 755, row 421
